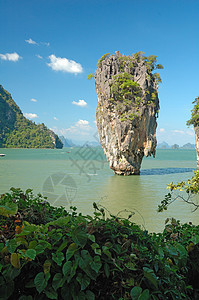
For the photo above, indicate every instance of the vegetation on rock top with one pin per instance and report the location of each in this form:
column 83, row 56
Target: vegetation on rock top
column 194, row 114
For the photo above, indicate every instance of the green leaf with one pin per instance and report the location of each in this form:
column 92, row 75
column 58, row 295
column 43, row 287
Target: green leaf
column 67, row 268
column 51, row 294
column 195, row 239
column 57, row 281
column 136, row 292
column 83, row 280
column 96, row 248
column 46, row 266
column 9, row 209
column 32, row 244
column 145, row 295
column 151, row 277
column 30, row 253
column 91, row 237
column 15, row 260
column 90, row 295
column 106, row 270
column 71, row 250
column 172, row 250
column 6, row 290
column 62, row 221
column 12, row 273
column 79, row 236
column 62, row 246
column 40, row 282
column 41, row 246
column 28, row 229
column 96, row 264
column 11, row 245
column 131, row 266
column 106, row 251
column 84, row 264
column 58, row 258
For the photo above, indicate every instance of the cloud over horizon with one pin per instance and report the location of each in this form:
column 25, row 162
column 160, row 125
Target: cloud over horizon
column 10, row 56
column 31, row 115
column 81, row 103
column 64, row 65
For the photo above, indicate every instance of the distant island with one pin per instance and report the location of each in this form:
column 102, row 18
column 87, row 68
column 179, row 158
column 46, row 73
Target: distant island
column 165, row 145
column 16, row 131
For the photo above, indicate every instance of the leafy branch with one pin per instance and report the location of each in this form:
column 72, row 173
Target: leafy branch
column 188, row 191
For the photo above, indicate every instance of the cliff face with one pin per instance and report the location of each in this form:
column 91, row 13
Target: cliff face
column 127, row 109
column 18, row 132
column 196, row 129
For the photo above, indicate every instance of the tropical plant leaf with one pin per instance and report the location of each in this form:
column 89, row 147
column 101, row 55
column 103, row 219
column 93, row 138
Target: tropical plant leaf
column 15, row 260
column 31, row 253
column 40, row 282
column 136, row 292
column 8, row 209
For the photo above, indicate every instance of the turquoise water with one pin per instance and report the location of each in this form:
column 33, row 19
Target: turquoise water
column 81, row 176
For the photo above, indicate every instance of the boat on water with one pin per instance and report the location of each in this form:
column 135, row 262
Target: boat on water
column 2, row 154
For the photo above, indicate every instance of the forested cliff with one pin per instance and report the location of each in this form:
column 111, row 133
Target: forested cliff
column 16, row 131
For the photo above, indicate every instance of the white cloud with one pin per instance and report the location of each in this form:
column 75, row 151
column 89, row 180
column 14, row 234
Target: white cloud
column 31, row 42
column 95, row 122
column 55, row 118
column 81, row 103
column 33, row 100
column 10, row 56
column 162, row 130
column 80, row 128
column 30, row 115
column 64, row 65
column 39, row 56
column 82, row 123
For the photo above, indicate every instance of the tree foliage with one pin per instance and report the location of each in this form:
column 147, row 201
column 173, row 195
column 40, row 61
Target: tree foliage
column 183, row 190
column 194, row 114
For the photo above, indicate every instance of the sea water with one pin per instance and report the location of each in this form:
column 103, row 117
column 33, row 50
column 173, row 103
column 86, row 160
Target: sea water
column 80, row 176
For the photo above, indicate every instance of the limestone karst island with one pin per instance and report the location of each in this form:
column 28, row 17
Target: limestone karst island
column 127, row 109
column 16, row 131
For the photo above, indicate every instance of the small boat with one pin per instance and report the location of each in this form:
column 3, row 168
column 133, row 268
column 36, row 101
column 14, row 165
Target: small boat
column 2, row 155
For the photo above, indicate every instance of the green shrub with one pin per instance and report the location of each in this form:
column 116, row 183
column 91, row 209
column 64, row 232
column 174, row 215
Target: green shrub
column 91, row 257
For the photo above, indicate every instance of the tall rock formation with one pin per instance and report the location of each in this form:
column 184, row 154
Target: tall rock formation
column 196, row 129
column 18, row 132
column 127, row 109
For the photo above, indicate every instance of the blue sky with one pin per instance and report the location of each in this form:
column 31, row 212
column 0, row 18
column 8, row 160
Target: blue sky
column 48, row 48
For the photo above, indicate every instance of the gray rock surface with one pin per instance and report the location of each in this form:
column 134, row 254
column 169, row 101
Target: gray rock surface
column 126, row 121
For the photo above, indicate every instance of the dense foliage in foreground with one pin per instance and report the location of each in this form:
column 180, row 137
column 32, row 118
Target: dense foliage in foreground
column 49, row 253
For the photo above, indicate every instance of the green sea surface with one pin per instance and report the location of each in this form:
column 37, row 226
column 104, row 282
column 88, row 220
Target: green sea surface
column 81, row 176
